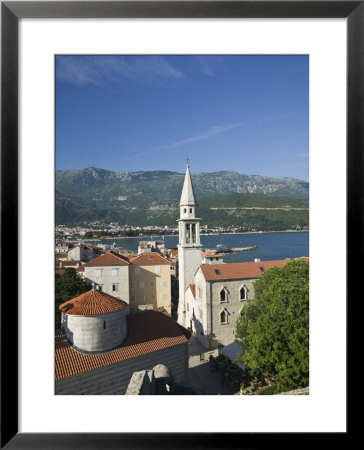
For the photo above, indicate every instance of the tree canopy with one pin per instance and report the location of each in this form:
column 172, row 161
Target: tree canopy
column 68, row 286
column 274, row 326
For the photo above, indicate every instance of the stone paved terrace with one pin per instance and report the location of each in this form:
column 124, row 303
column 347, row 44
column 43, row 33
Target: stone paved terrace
column 200, row 373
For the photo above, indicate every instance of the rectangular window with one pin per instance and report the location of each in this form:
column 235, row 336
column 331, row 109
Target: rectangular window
column 151, row 284
column 164, row 283
column 99, row 273
column 137, row 270
column 141, row 297
column 141, row 284
column 114, row 272
column 164, row 296
column 158, row 269
column 152, row 296
column 115, row 287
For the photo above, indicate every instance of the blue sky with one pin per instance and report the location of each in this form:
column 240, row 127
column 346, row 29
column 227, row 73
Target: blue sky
column 131, row 113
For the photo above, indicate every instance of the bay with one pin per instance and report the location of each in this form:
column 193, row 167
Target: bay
column 271, row 246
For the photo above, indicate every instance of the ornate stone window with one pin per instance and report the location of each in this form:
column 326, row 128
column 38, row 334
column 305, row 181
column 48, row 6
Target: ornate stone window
column 223, row 295
column 243, row 293
column 223, row 316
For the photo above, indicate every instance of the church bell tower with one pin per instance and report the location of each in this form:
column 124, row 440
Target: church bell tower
column 189, row 247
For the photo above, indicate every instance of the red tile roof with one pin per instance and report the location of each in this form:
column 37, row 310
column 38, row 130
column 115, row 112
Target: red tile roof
column 71, row 263
column 149, row 258
column 210, row 254
column 235, row 271
column 149, row 331
column 92, row 303
column 110, row 258
column 193, row 289
column 62, row 255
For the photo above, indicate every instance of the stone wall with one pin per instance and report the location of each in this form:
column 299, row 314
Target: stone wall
column 224, row 333
column 114, row 379
column 96, row 333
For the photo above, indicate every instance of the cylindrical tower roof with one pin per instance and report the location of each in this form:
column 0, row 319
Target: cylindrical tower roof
column 92, row 303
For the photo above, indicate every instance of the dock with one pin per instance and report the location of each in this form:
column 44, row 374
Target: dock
column 235, row 249
column 244, row 249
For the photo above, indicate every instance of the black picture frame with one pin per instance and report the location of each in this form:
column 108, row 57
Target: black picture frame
column 11, row 12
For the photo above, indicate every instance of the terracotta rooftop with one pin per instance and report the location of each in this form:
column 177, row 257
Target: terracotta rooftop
column 92, row 303
column 210, row 254
column 110, row 258
column 149, row 258
column 70, row 263
column 61, row 255
column 241, row 270
column 149, row 331
column 193, row 289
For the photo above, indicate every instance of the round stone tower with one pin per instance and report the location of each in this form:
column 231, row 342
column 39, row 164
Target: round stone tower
column 95, row 321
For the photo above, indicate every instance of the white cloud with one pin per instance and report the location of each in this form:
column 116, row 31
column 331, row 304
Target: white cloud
column 205, row 135
column 99, row 69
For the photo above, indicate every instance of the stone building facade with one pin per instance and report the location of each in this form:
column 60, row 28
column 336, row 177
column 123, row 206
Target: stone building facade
column 217, row 297
column 152, row 338
column 110, row 273
column 94, row 321
column 150, row 282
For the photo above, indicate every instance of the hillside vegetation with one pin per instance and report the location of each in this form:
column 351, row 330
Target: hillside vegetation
column 152, row 198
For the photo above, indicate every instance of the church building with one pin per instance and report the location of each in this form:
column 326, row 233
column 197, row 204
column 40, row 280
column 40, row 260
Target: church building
column 189, row 246
column 212, row 294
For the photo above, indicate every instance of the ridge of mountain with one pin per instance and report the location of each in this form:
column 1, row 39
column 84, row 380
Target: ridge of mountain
column 95, row 193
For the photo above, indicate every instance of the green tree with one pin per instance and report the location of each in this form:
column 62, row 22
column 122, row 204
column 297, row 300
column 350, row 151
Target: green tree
column 68, row 286
column 274, row 326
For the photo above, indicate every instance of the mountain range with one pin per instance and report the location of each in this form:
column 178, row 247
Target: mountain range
column 142, row 198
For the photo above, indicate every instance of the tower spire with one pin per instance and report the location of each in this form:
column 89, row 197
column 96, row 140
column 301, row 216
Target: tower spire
column 188, row 195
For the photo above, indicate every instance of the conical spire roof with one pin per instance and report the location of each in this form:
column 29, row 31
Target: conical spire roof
column 188, row 196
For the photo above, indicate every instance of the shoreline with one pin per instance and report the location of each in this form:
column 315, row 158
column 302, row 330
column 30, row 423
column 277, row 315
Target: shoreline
column 160, row 237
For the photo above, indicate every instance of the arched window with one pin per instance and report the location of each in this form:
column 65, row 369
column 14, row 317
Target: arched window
column 223, row 295
column 243, row 293
column 223, row 316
